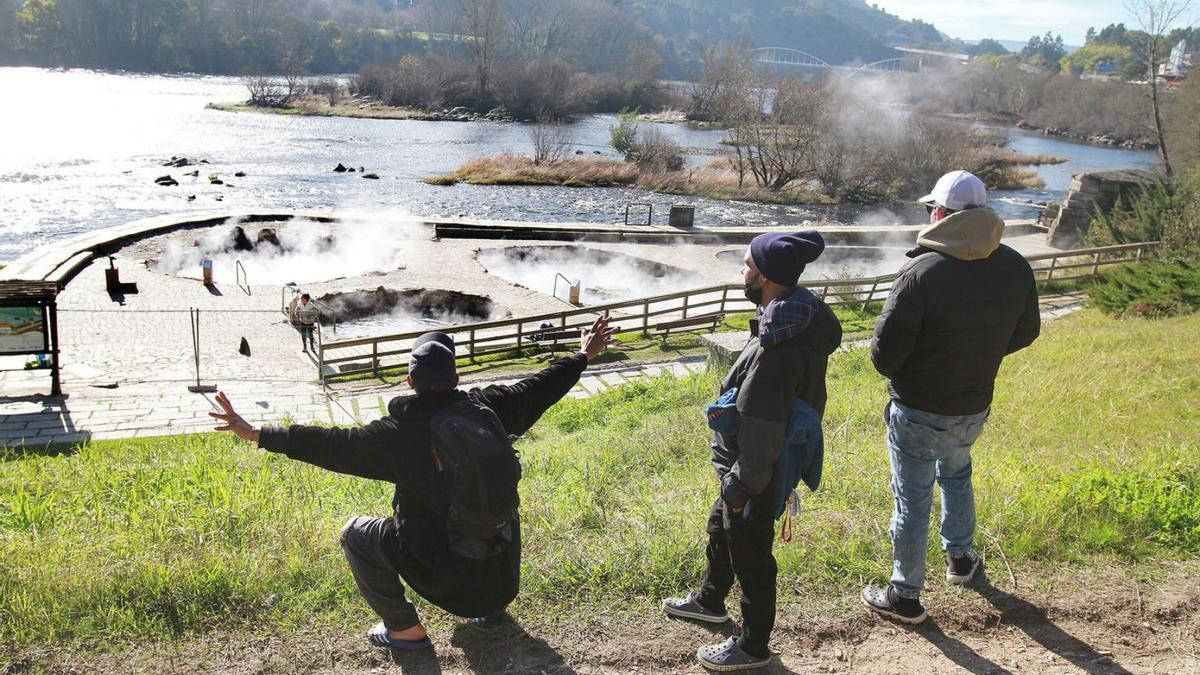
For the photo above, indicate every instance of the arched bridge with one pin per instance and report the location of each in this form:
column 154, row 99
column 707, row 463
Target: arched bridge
column 786, row 56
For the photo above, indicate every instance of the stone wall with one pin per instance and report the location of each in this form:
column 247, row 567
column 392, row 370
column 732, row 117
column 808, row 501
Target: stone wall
column 1089, row 192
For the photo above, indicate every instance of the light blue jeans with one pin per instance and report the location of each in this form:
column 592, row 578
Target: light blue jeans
column 926, row 447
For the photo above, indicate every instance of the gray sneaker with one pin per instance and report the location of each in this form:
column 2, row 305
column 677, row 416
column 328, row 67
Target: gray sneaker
column 729, row 656
column 690, row 608
column 961, row 569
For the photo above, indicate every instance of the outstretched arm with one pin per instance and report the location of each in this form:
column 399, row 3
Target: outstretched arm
column 372, row 451
column 520, row 405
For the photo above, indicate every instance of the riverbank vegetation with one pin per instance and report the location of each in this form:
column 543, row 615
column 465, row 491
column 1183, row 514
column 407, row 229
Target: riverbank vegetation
column 157, row 539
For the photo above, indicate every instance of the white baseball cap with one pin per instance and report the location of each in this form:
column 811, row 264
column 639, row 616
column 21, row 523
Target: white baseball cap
column 958, row 190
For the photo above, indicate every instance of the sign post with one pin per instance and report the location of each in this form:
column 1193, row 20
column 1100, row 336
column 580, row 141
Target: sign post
column 29, row 324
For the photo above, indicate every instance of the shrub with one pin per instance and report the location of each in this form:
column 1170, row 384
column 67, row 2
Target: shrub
column 1152, row 288
column 623, row 136
column 1167, row 211
column 657, row 153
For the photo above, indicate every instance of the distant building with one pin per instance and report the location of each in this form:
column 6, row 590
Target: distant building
column 1178, row 64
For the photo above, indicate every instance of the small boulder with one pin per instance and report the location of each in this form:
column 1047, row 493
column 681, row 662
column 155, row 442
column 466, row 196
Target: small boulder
column 351, row 169
column 340, row 168
column 193, row 174
column 244, row 348
column 267, row 236
column 372, row 176
column 240, row 241
column 239, row 174
column 166, row 181
column 191, row 198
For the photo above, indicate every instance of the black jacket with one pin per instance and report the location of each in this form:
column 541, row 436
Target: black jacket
column 785, row 360
column 953, row 315
column 397, row 449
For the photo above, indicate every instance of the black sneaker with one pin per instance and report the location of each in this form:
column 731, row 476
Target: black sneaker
column 961, row 569
column 885, row 602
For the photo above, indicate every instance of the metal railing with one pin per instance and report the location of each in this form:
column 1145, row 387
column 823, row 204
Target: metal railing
column 243, row 281
column 370, row 355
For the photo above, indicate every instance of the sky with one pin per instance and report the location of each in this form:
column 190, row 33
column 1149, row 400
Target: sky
column 1012, row 19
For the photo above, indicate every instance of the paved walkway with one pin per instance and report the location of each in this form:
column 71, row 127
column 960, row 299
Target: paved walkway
column 164, row 406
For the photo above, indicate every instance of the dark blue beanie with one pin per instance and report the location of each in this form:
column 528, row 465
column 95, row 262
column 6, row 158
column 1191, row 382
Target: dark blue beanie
column 781, row 256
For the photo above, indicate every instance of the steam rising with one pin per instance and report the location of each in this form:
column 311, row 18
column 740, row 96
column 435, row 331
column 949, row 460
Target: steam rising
column 308, row 251
column 603, row 276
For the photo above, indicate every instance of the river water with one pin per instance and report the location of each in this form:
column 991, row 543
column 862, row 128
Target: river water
column 81, row 150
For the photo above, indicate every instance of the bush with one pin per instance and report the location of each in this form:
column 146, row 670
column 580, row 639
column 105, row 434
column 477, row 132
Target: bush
column 623, row 136
column 1153, row 288
column 1168, row 211
column 656, row 153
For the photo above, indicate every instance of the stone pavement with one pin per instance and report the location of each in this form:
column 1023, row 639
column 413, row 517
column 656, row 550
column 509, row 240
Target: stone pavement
column 165, row 407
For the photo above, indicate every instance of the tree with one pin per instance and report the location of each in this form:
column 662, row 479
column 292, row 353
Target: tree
column 1156, row 19
column 1044, row 52
column 988, row 46
column 481, row 25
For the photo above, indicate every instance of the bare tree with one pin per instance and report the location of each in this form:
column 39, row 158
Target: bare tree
column 1156, row 18
column 482, row 24
column 550, row 142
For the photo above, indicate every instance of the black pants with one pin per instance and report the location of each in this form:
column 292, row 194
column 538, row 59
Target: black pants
column 741, row 548
column 364, row 541
column 306, row 336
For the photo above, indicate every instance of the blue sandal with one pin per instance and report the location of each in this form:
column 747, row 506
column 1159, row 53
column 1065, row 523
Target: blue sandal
column 378, row 636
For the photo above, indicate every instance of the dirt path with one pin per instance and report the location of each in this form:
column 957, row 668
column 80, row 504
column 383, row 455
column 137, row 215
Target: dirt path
column 1102, row 621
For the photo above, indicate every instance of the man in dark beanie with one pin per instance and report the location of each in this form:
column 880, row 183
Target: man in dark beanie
column 785, row 360
column 422, row 543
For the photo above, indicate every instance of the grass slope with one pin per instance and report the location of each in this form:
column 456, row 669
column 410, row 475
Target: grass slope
column 1090, row 457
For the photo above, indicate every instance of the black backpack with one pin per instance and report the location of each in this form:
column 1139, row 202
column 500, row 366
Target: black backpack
column 479, row 469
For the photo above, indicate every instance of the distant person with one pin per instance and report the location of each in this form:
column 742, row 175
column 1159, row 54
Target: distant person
column 963, row 303
column 459, row 551
column 784, row 361
column 306, row 316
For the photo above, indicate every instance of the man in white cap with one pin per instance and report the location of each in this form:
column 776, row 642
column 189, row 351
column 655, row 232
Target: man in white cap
column 957, row 308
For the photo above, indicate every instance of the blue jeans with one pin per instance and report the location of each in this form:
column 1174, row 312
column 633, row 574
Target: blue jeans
column 927, row 447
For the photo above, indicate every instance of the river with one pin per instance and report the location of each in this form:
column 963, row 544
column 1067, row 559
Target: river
column 81, row 151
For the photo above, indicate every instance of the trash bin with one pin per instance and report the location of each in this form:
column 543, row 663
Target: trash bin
column 208, row 271
column 682, row 216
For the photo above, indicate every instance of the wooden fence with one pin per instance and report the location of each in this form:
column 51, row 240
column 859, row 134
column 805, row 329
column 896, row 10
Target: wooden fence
column 370, row 355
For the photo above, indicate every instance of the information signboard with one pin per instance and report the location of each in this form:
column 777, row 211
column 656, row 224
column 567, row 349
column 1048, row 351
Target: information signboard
column 23, row 330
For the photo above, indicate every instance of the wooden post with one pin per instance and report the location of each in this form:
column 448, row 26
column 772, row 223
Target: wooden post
column 519, row 327
column 472, row 346
column 375, row 358
column 871, row 294
column 686, row 298
column 1096, row 264
column 1050, row 272
column 645, row 318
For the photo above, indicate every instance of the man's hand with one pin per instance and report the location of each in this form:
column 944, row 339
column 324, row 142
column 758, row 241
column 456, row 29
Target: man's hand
column 233, row 421
column 593, row 341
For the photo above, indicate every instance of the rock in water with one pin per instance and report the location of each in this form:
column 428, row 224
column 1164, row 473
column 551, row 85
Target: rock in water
column 340, row 168
column 193, row 174
column 372, row 176
column 239, row 174
column 244, row 348
column 166, row 181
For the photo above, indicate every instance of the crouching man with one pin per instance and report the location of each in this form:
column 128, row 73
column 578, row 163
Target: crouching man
column 785, row 360
column 442, row 448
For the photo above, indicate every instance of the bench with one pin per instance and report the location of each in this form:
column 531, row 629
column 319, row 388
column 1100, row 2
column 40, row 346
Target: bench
column 553, row 338
column 708, row 322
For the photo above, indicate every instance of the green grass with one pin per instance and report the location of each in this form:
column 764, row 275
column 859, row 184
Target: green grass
column 1090, row 457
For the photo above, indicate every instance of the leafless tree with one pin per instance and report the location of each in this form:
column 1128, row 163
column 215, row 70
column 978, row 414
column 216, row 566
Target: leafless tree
column 1156, row 18
column 266, row 91
column 482, row 25
column 551, row 142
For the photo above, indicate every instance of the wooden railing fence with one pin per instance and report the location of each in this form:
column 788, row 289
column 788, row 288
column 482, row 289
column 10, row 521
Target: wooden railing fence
column 370, row 355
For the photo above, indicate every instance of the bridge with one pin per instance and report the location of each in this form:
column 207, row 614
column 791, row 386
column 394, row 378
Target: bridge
column 786, row 56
